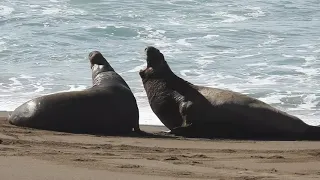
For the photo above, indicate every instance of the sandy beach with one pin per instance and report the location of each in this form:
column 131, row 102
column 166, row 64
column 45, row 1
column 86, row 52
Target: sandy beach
column 36, row 155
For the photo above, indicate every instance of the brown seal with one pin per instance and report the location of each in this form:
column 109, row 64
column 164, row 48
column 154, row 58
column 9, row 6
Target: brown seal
column 198, row 111
column 108, row 107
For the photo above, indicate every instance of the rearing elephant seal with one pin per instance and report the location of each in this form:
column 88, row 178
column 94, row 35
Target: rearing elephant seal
column 108, row 107
column 198, row 111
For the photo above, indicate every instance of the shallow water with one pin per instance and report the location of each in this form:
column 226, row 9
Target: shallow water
column 268, row 50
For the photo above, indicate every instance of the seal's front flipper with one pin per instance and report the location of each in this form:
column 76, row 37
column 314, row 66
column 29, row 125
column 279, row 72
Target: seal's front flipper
column 185, row 108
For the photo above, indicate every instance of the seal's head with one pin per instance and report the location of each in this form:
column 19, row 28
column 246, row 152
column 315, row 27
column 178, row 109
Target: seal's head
column 99, row 63
column 155, row 58
column 155, row 62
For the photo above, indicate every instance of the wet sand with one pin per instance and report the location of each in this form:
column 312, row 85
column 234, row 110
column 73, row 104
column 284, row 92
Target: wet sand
column 37, row 154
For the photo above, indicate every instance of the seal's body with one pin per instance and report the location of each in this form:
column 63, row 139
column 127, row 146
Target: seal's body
column 107, row 107
column 198, row 111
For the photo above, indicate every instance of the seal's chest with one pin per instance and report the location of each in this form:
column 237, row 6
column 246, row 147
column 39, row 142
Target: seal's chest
column 157, row 91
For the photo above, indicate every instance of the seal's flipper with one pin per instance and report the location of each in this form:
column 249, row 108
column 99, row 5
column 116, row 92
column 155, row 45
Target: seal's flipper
column 182, row 130
column 312, row 133
column 185, row 108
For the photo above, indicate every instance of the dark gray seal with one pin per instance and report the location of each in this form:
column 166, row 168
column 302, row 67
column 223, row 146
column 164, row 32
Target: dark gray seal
column 198, row 111
column 108, row 107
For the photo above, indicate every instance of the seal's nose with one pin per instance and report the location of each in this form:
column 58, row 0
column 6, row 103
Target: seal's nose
column 93, row 53
column 96, row 57
column 151, row 49
column 90, row 54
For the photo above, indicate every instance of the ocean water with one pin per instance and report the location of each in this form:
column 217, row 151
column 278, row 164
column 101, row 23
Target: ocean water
column 269, row 50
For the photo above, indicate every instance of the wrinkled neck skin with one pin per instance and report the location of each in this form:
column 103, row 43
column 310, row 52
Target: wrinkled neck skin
column 101, row 73
column 165, row 77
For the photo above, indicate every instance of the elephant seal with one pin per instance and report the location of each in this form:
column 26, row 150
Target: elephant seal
column 108, row 107
column 198, row 111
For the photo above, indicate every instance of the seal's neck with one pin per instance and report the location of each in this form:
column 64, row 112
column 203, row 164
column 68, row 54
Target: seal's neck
column 165, row 77
column 179, row 84
column 98, row 70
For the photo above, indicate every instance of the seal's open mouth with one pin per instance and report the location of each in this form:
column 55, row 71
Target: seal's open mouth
column 96, row 57
column 154, row 58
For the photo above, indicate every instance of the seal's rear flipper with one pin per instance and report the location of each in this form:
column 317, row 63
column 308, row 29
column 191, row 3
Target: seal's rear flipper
column 140, row 132
column 312, row 133
column 182, row 130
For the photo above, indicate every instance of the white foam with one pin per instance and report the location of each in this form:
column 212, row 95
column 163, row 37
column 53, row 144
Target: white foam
column 23, row 76
column 62, row 11
column 302, row 50
column 287, row 56
column 257, row 64
column 246, row 56
column 305, row 70
column 156, row 38
column 15, row 81
column 194, row 72
column 102, row 27
column 183, row 42
column 257, row 12
column 39, row 88
column 138, row 68
column 210, row 36
column 316, row 51
column 205, row 60
column 309, row 46
column 174, row 21
column 3, row 46
column 131, row 15
column 261, row 81
column 231, row 17
column 4, row 95
column 227, row 51
column 273, row 99
column 99, row 26
column 183, row 72
column 76, row 87
column 272, row 40
column 161, row 31
column 309, row 117
column 5, row 10
column 34, row 6
column 232, row 30
column 50, row 11
column 309, row 102
column 310, row 58
column 76, row 12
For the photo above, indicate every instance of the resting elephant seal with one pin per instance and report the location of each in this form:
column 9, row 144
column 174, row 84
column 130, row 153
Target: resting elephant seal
column 108, row 107
column 198, row 111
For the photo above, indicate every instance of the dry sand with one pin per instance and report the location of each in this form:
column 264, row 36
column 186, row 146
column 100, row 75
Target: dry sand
column 29, row 154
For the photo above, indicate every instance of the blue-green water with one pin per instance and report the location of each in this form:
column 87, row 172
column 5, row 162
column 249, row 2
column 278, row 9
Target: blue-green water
column 267, row 49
